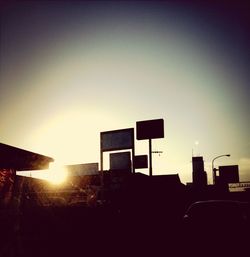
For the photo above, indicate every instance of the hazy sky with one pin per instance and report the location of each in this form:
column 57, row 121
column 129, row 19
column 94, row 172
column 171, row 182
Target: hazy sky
column 70, row 70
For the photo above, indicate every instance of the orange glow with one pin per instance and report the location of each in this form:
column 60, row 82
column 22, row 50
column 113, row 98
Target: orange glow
column 57, row 174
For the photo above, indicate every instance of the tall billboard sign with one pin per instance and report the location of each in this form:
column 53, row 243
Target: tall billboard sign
column 116, row 140
column 82, row 169
column 141, row 161
column 150, row 129
column 120, row 161
column 229, row 174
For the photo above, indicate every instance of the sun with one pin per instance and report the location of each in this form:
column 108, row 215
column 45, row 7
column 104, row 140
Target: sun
column 57, row 174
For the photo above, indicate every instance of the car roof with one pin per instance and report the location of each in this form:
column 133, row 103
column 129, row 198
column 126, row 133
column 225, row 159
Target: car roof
column 217, row 205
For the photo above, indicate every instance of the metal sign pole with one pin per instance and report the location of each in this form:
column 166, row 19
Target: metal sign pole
column 133, row 154
column 150, row 157
column 102, row 175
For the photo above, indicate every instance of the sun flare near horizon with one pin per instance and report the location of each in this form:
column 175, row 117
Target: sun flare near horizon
column 72, row 136
column 57, row 174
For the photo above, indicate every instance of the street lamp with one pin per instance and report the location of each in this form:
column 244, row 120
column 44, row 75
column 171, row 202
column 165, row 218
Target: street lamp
column 214, row 169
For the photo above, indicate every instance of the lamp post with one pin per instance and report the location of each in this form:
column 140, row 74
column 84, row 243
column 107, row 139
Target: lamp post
column 214, row 169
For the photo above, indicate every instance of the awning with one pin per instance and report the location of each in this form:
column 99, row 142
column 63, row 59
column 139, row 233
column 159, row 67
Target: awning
column 19, row 159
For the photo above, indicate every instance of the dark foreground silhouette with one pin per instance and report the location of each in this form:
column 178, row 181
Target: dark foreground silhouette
column 127, row 224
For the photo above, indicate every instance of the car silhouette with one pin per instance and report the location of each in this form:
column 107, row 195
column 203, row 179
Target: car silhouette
column 223, row 225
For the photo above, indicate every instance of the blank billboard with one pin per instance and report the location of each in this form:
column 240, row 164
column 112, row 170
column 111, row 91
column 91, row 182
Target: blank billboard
column 117, row 139
column 120, row 161
column 149, row 129
column 229, row 174
column 82, row 169
column 140, row 161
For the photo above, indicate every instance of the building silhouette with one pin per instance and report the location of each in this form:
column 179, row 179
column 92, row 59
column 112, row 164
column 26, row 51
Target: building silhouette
column 199, row 175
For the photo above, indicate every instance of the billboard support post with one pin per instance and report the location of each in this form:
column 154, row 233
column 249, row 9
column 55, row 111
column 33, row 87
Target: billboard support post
column 133, row 159
column 150, row 157
column 150, row 129
column 102, row 175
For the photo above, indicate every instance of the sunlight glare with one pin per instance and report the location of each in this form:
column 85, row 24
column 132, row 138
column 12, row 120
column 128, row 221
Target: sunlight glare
column 72, row 136
column 57, row 174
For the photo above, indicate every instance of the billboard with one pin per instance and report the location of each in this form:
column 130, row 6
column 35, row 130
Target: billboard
column 239, row 187
column 117, row 139
column 140, row 161
column 120, row 161
column 149, row 129
column 229, row 174
column 82, row 169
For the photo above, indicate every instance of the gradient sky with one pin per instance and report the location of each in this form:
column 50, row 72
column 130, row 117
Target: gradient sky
column 70, row 70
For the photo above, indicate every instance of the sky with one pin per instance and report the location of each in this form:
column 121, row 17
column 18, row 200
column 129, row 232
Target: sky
column 70, row 70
